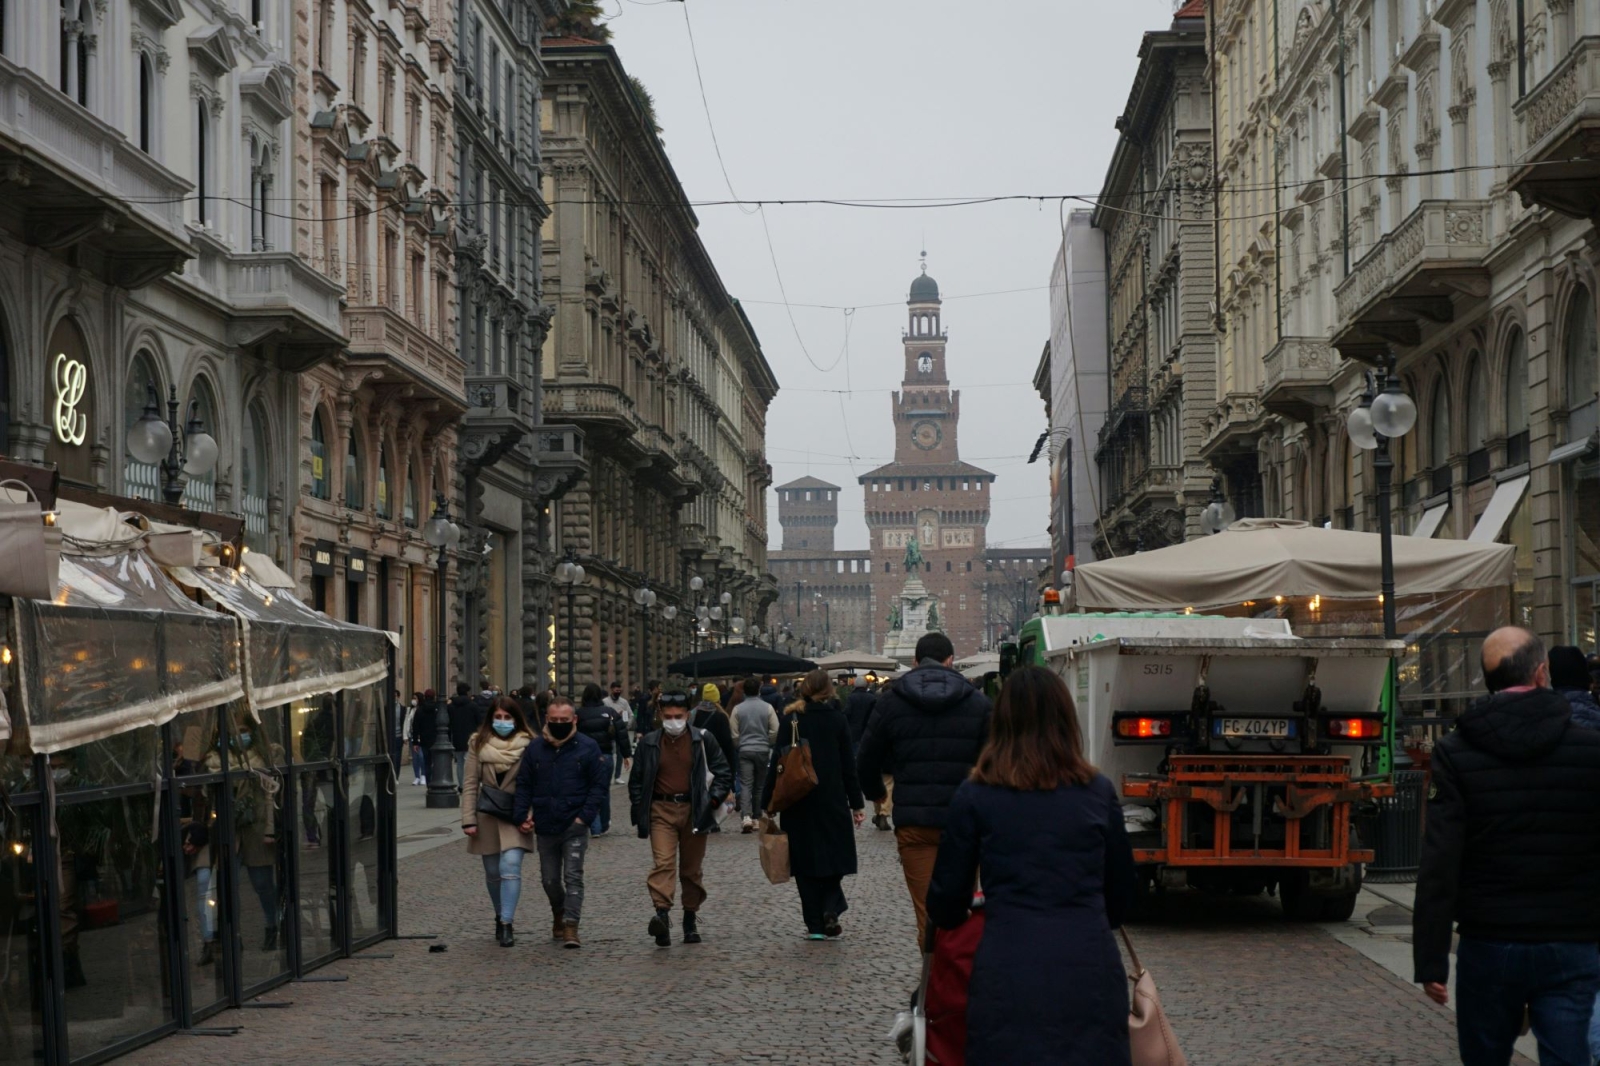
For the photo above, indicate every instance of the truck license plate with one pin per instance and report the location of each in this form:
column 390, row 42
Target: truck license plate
column 1254, row 727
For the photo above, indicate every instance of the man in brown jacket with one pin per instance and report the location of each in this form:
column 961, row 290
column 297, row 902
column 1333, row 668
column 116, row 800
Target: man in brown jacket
column 673, row 806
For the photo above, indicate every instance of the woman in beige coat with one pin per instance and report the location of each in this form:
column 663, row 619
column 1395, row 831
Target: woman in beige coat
column 494, row 755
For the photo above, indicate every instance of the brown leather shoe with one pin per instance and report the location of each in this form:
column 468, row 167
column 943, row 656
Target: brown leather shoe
column 569, row 935
column 558, row 928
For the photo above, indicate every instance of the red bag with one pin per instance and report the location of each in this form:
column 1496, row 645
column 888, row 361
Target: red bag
column 944, row 994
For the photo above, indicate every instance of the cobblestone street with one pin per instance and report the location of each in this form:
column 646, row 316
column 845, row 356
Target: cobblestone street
column 1242, row 986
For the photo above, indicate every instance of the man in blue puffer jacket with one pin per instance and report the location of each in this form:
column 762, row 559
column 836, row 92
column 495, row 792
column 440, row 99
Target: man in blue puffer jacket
column 559, row 789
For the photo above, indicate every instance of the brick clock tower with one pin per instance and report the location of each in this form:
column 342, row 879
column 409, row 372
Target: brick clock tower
column 928, row 492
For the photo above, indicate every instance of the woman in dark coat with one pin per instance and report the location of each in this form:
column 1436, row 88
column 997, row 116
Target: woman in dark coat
column 821, row 827
column 1048, row 986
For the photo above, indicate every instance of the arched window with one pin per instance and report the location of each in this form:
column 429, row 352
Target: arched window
column 1439, row 436
column 1583, row 366
column 385, row 506
column 142, row 481
column 320, row 487
column 1477, row 421
column 200, row 492
column 409, row 513
column 200, row 168
column 255, row 479
column 1516, row 399
column 147, row 104
column 355, row 485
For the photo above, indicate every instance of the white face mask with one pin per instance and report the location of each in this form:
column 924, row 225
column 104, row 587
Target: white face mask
column 675, row 726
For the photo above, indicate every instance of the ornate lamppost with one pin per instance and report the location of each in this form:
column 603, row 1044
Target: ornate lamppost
column 153, row 439
column 442, row 535
column 570, row 574
column 645, row 597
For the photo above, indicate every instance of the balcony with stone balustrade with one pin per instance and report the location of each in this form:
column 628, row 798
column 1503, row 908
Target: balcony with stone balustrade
column 1299, row 377
column 1559, row 132
column 1413, row 277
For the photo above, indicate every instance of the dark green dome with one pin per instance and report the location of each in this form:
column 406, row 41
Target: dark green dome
column 924, row 289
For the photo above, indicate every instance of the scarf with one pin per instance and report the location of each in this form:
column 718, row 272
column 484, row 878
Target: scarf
column 502, row 753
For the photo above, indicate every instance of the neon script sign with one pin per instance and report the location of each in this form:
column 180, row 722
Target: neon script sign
column 71, row 379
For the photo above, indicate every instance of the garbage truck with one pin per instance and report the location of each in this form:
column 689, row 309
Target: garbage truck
column 1241, row 751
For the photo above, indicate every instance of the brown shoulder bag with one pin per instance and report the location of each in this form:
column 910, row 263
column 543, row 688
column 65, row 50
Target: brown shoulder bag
column 796, row 776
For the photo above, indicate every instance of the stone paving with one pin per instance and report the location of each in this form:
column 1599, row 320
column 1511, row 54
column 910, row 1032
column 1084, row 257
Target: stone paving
column 1242, row 986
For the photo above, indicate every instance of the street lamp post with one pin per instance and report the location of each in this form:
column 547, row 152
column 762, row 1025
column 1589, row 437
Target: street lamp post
column 827, row 621
column 153, row 439
column 724, row 613
column 442, row 535
column 1219, row 513
column 570, row 574
column 1386, row 413
column 645, row 597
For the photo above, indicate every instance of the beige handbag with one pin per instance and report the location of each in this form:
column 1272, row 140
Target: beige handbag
column 30, row 551
column 1150, row 1038
column 774, row 851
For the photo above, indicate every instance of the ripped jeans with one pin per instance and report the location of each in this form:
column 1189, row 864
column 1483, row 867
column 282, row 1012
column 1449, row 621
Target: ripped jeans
column 503, row 873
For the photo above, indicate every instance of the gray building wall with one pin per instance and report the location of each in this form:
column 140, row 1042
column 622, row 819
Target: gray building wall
column 1079, row 385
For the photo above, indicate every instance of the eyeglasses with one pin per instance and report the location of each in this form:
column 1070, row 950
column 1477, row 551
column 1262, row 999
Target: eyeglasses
column 674, row 699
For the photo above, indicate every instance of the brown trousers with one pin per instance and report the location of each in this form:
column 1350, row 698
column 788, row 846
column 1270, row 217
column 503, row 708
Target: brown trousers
column 919, row 846
column 679, row 852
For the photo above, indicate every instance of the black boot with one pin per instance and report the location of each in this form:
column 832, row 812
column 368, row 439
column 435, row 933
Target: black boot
column 499, row 931
column 661, row 928
column 830, row 925
column 509, row 938
column 691, row 935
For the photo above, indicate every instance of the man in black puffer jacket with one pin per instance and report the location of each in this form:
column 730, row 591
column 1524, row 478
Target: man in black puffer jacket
column 609, row 730
column 1511, row 855
column 925, row 733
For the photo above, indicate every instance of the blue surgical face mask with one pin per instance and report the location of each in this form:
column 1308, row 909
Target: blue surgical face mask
column 502, row 727
column 244, row 740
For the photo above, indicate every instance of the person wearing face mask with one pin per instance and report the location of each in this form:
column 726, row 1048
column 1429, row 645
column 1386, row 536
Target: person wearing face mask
column 494, row 754
column 680, row 778
column 561, row 781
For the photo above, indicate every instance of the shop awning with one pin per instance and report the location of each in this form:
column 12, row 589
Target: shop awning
column 1502, row 505
column 292, row 652
column 1431, row 520
column 120, row 647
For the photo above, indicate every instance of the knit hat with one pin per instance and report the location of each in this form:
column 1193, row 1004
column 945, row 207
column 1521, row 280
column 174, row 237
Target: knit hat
column 1567, row 668
column 711, row 692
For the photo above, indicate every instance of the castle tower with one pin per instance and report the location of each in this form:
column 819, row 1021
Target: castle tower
column 808, row 511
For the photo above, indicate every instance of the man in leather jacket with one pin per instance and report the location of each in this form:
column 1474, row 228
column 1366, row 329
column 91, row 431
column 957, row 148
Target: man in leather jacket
column 680, row 778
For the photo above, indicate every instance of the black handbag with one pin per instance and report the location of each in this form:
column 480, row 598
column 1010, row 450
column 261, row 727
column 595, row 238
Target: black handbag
column 496, row 802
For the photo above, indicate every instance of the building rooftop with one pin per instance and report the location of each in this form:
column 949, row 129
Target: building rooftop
column 808, row 482
column 914, row 470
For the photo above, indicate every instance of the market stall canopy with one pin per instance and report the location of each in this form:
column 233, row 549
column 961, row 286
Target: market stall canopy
column 739, row 659
column 977, row 667
column 856, row 660
column 1257, row 558
column 291, row 651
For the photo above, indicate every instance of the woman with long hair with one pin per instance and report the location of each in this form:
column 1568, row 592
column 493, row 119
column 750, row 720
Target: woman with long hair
column 494, row 755
column 1048, row 986
column 821, row 826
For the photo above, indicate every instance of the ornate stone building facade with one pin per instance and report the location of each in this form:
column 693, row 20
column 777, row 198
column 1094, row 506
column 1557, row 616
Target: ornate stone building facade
column 143, row 250
column 511, row 464
column 374, row 185
column 1154, row 210
column 656, row 364
column 832, row 598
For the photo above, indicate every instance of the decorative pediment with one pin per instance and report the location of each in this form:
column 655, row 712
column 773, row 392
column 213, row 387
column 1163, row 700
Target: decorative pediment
column 270, row 86
column 212, row 49
column 163, row 13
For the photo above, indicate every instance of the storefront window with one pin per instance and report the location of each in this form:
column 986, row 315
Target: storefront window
column 355, row 489
column 22, row 1037
column 199, row 839
column 142, row 481
column 113, row 929
column 1520, row 535
column 385, row 506
column 317, row 914
column 1583, row 505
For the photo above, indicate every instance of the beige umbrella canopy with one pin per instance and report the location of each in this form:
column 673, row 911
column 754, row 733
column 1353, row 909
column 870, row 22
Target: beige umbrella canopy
column 856, row 660
column 1256, row 558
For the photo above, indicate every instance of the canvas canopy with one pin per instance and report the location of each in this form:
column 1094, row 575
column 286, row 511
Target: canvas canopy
column 856, row 660
column 1257, row 558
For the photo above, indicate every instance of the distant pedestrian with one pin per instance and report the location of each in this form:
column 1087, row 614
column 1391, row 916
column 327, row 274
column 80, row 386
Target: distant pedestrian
column 1045, row 827
column 821, row 826
column 755, row 729
column 680, row 777
column 858, row 708
column 559, row 788
column 397, row 731
column 419, row 761
column 530, row 707
column 1569, row 676
column 622, row 710
column 466, row 716
column 925, row 733
column 494, row 755
column 1511, row 858
column 597, row 722
column 769, row 692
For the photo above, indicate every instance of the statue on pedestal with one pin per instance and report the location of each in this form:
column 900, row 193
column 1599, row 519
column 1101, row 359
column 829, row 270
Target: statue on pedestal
column 913, row 554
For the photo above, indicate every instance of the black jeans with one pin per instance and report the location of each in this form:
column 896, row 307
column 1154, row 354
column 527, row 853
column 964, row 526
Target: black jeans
column 819, row 896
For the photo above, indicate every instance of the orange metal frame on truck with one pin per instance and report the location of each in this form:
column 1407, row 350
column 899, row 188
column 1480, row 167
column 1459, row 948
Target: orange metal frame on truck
column 1309, row 782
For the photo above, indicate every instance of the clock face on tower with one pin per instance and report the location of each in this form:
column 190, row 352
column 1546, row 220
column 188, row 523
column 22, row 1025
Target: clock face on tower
column 925, row 363
column 926, row 435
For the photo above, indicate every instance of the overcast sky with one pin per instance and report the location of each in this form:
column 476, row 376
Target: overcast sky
column 886, row 99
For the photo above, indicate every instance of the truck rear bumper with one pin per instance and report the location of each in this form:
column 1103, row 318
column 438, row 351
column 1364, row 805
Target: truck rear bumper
column 1308, row 821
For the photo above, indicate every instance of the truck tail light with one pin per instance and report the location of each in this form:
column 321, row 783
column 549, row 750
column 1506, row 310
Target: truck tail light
column 1144, row 728
column 1355, row 728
